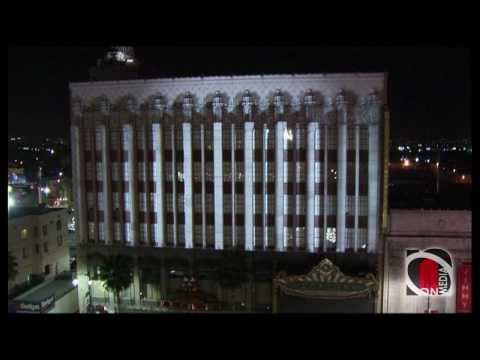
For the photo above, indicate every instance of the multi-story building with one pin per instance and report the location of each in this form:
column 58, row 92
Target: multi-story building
column 277, row 163
column 37, row 238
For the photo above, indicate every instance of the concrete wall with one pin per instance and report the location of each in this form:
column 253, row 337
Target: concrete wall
column 68, row 304
column 57, row 256
column 421, row 229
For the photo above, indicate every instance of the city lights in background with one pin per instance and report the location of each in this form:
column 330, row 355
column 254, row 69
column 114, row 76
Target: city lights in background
column 406, row 162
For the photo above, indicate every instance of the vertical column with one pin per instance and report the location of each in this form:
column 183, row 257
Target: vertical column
column 233, row 167
column 146, row 177
column 132, row 183
column 357, row 182
column 342, row 171
column 159, row 187
column 218, row 183
column 264, row 185
column 279, row 201
column 248, row 197
column 174, row 185
column 188, row 183
column 312, row 127
column 204, row 210
column 373, row 186
column 325, row 185
column 375, row 114
column 79, row 182
column 107, row 185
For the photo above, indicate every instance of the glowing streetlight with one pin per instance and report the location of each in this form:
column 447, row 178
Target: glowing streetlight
column 406, row 162
column 463, row 177
column 417, row 159
column 454, row 171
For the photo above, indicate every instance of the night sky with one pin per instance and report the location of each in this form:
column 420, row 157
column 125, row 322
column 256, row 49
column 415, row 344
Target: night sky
column 429, row 88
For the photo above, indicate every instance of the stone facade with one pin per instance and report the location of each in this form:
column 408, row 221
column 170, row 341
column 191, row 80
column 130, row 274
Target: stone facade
column 39, row 243
column 232, row 162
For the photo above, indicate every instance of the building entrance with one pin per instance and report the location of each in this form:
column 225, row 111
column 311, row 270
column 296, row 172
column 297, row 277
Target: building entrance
column 324, row 290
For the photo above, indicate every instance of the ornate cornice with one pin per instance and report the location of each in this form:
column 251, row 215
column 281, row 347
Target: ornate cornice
column 262, row 89
column 326, row 281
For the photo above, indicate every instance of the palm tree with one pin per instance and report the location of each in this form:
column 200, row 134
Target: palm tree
column 117, row 275
column 12, row 267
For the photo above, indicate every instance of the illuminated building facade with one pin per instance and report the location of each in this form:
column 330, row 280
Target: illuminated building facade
column 283, row 163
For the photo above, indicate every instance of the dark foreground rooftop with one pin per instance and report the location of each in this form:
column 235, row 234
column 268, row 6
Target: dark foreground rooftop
column 58, row 287
column 21, row 211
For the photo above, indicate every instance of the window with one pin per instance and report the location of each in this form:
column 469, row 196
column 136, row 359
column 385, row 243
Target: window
column 60, row 240
column 100, row 202
column 24, row 234
column 37, row 249
column 45, row 247
column 101, row 231
column 59, row 225
column 47, row 269
column 35, row 231
column 24, row 253
column 99, row 170
column 44, row 230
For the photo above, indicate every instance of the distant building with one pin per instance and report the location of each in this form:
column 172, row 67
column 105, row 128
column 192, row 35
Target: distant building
column 37, row 238
column 428, row 259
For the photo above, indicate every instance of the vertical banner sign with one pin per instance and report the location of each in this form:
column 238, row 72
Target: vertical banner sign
column 464, row 289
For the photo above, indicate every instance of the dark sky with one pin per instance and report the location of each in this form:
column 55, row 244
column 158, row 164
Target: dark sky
column 429, row 88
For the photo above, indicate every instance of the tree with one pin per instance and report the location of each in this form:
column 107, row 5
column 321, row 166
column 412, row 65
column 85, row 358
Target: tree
column 12, row 267
column 117, row 275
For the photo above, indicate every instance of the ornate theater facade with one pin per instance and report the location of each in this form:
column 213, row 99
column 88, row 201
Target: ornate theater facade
column 260, row 164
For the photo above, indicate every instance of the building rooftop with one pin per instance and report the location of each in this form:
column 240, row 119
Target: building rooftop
column 58, row 287
column 21, row 211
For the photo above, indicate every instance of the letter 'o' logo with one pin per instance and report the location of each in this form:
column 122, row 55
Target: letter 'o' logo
column 429, row 272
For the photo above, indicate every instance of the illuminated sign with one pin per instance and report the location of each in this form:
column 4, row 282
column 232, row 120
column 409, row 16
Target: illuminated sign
column 429, row 272
column 331, row 235
column 35, row 307
column 464, row 288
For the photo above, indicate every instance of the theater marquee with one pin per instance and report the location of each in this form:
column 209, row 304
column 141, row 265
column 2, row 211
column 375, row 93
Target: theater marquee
column 429, row 272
